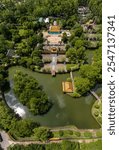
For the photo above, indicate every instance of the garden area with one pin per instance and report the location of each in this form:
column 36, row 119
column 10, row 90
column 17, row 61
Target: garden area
column 97, row 111
column 22, row 44
column 81, row 134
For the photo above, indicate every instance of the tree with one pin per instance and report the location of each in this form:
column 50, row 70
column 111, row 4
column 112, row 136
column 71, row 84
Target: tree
column 4, row 30
column 23, row 33
column 3, row 44
column 78, row 31
column 71, row 54
column 66, row 145
column 31, row 94
column 82, row 85
column 96, row 8
column 79, row 43
column 42, row 134
column 64, row 38
column 23, row 128
column 7, row 116
column 76, row 56
column 4, row 84
column 92, row 75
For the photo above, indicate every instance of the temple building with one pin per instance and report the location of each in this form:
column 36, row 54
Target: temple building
column 54, row 29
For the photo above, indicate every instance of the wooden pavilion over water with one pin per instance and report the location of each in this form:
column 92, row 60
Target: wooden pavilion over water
column 67, row 87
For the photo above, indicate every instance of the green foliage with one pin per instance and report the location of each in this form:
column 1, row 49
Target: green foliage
column 78, row 134
column 96, row 8
column 79, row 43
column 75, row 94
column 30, row 93
column 96, row 106
column 4, row 84
column 76, row 56
column 6, row 116
column 92, row 75
column 65, row 145
column 3, row 50
column 69, row 79
column 23, row 128
column 61, row 133
column 96, row 113
column 88, row 134
column 82, row 85
column 12, row 123
column 99, row 133
column 99, row 119
column 29, row 147
column 72, row 67
column 42, row 133
column 64, row 38
column 78, row 31
column 92, row 146
column 23, row 33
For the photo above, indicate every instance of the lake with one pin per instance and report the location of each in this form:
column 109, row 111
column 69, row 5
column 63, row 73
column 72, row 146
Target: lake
column 65, row 110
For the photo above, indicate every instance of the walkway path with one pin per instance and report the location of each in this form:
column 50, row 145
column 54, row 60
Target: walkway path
column 95, row 95
column 54, row 62
column 7, row 141
column 72, row 78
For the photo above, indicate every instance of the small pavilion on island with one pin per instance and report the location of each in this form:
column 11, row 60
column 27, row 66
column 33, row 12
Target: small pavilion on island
column 67, row 87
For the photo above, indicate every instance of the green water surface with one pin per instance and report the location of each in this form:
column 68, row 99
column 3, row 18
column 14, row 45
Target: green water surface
column 65, row 110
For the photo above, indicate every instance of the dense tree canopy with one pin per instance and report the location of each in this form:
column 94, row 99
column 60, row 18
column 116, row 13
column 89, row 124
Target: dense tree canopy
column 65, row 145
column 89, row 74
column 96, row 8
column 76, row 56
column 23, row 128
column 42, row 133
column 4, row 84
column 6, row 116
column 82, row 85
column 30, row 93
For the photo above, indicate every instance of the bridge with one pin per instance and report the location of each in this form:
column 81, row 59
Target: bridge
column 72, row 78
column 95, row 95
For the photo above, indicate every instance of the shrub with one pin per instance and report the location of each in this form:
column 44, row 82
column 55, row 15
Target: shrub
column 78, row 134
column 61, row 133
column 69, row 132
column 88, row 134
column 99, row 133
column 75, row 95
column 96, row 113
column 99, row 119
column 69, row 79
column 72, row 67
column 97, row 106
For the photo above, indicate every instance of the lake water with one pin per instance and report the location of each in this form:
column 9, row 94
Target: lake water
column 66, row 110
